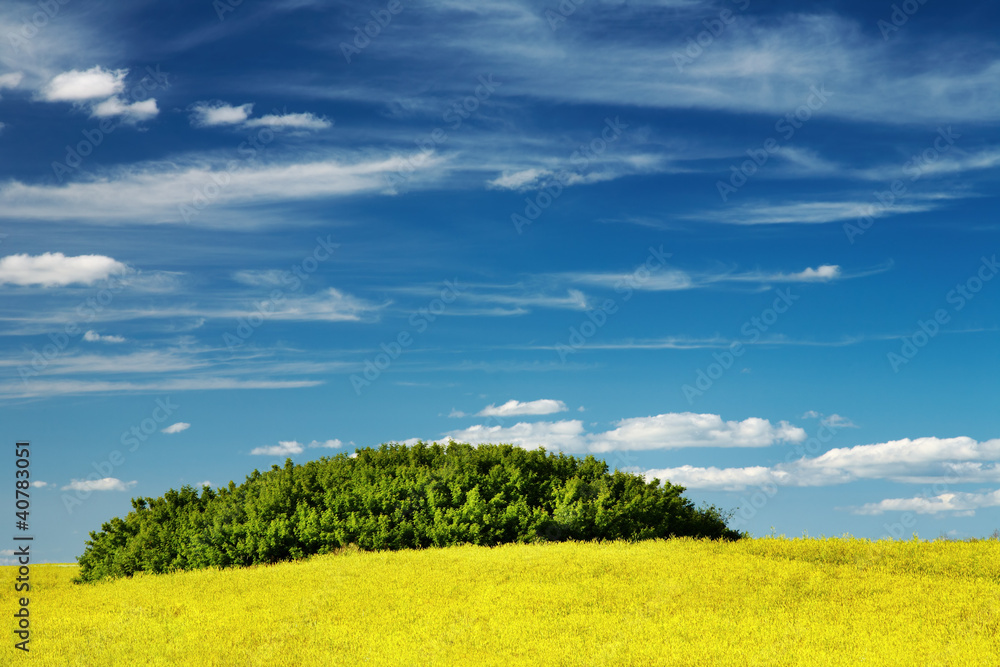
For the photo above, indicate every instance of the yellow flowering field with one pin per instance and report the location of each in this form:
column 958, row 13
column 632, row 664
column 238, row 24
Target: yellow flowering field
column 769, row 601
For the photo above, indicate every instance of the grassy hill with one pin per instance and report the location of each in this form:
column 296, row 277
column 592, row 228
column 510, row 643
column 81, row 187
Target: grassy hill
column 658, row 602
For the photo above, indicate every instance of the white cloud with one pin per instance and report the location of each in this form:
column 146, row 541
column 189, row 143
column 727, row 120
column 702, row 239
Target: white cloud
column 201, row 484
column 289, row 447
column 176, row 428
column 454, row 414
column 825, row 272
column 725, row 479
column 211, row 114
column 963, row 504
column 664, row 431
column 836, row 421
column 106, row 484
column 132, row 113
column 283, row 448
column 91, row 84
column 214, row 114
column 299, row 121
column 659, row 280
column 326, row 444
column 518, row 180
column 330, row 305
column 917, row 461
column 833, row 421
column 155, row 193
column 687, row 429
column 39, row 484
column 10, row 80
column 49, row 388
column 52, row 269
column 94, row 337
column 554, row 436
column 816, row 212
column 545, row 406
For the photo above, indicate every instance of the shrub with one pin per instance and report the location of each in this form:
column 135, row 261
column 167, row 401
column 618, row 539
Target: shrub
column 394, row 497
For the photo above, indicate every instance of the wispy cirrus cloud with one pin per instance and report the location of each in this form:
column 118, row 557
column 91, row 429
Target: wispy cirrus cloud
column 176, row 428
column 154, row 193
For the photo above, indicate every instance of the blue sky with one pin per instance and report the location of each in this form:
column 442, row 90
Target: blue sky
column 747, row 247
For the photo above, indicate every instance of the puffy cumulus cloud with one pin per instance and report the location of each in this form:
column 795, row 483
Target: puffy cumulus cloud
column 687, row 429
column 130, row 113
column 554, row 436
column 211, row 114
column 76, row 86
column 10, row 80
column 725, row 479
column 918, row 461
column 54, row 269
column 215, row 114
column 94, row 337
column 665, row 431
column 105, row 484
column 289, row 447
column 824, row 272
column 176, row 428
column 544, row 406
column 962, row 504
column 283, row 448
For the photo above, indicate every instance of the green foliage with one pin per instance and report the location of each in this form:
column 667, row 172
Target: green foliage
column 394, row 497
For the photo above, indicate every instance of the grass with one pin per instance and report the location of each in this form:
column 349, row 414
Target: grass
column 675, row 602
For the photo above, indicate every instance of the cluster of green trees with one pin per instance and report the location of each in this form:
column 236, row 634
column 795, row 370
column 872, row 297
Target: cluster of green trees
column 394, row 497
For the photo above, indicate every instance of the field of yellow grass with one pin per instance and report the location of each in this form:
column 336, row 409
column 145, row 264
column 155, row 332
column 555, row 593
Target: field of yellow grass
column 676, row 602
